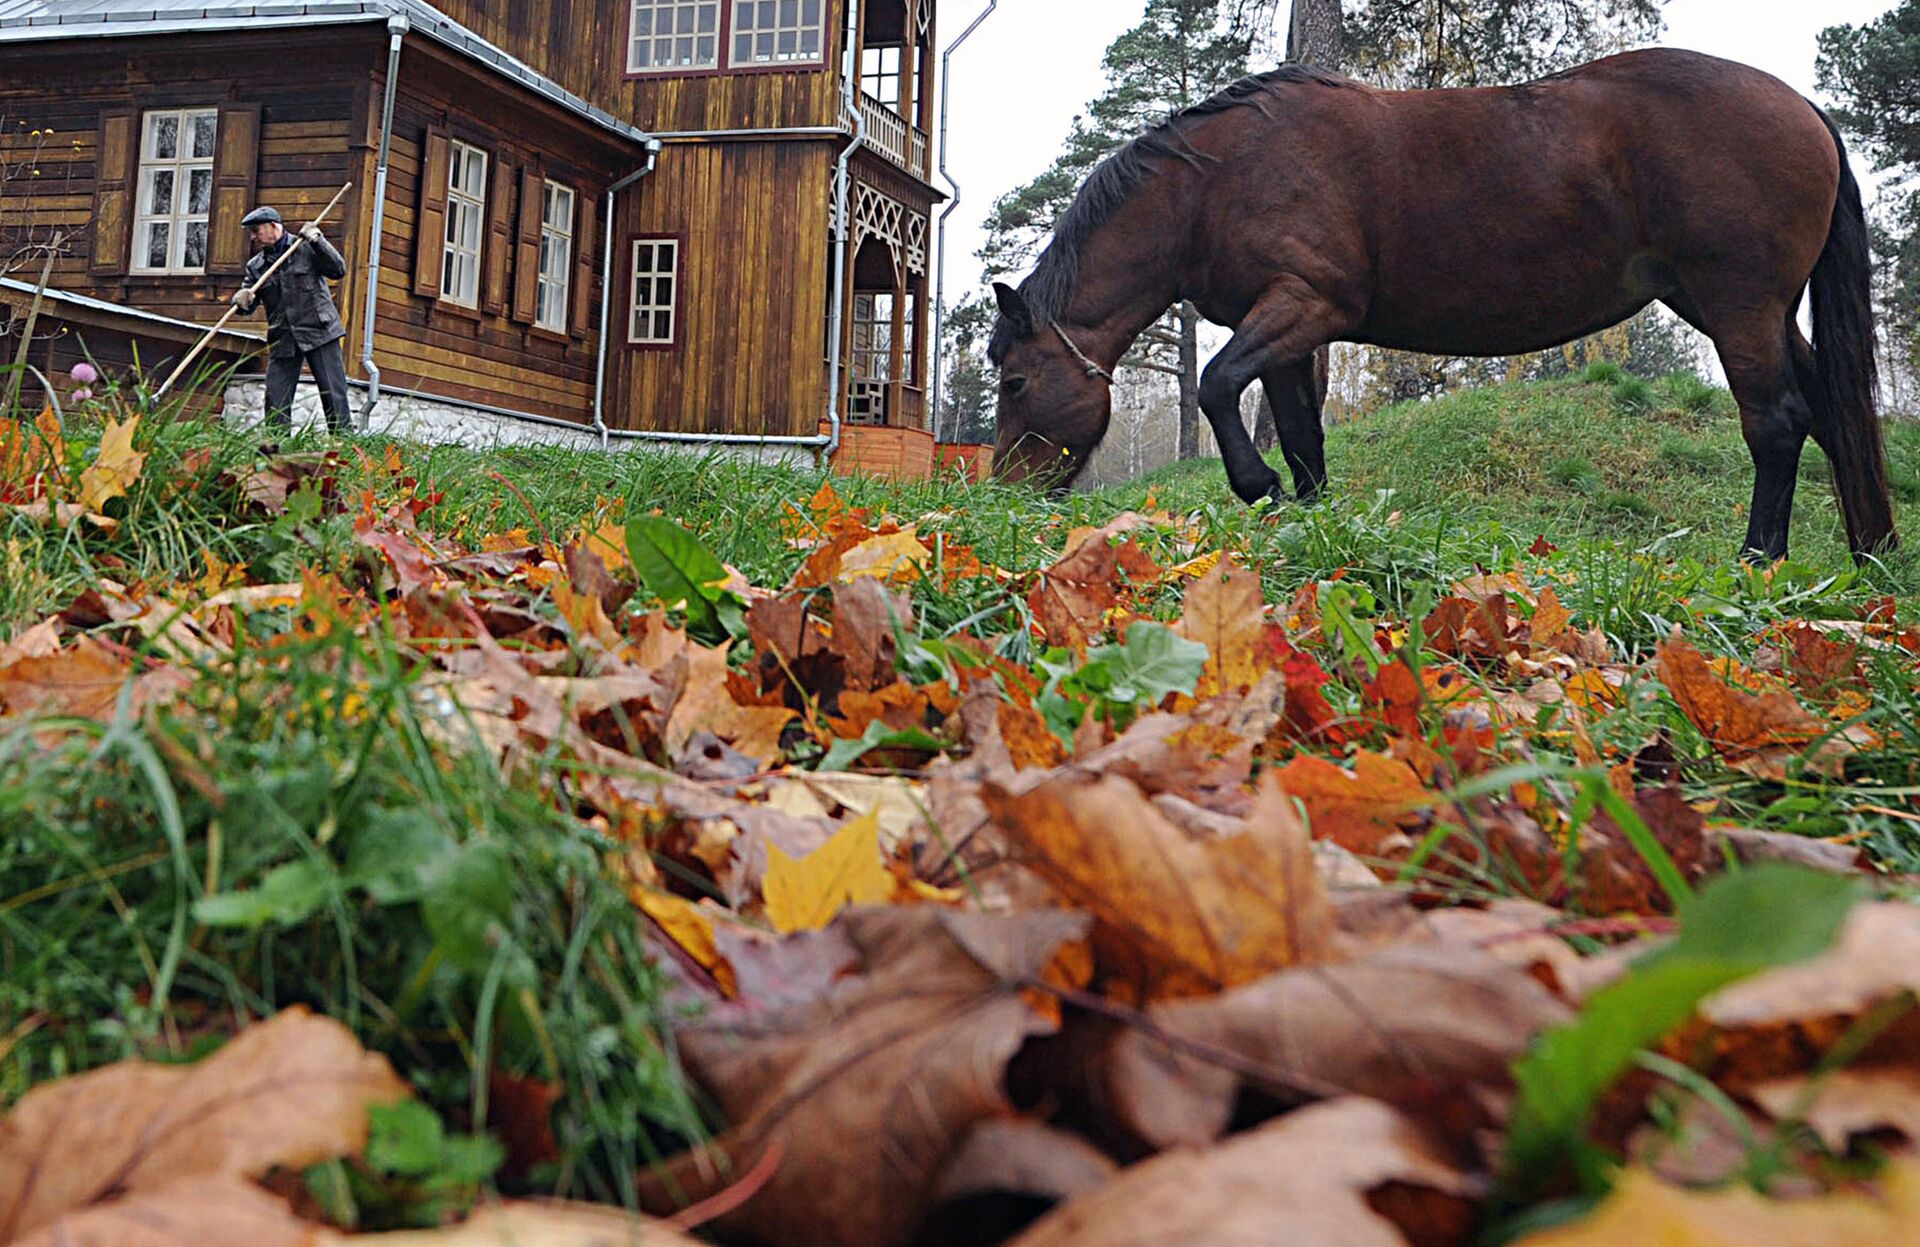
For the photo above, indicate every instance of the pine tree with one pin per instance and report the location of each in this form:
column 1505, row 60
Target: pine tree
column 1872, row 70
column 1447, row 43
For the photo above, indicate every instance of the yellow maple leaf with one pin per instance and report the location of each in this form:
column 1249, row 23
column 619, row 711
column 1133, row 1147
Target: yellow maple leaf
column 1643, row 1209
column 116, row 468
column 897, row 557
column 685, row 924
column 805, row 894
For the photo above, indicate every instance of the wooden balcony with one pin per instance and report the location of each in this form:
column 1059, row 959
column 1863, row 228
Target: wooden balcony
column 889, row 134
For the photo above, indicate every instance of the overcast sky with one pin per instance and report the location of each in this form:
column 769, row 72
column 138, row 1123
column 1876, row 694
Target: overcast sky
column 1034, row 64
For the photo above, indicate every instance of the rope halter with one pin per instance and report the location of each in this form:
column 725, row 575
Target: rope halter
column 1092, row 369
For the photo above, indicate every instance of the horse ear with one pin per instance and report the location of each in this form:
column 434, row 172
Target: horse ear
column 1013, row 306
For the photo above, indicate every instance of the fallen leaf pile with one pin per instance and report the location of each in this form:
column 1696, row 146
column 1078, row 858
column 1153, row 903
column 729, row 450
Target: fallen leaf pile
column 1190, row 930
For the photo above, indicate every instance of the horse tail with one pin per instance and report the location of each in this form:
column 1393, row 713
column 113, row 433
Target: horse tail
column 1844, row 396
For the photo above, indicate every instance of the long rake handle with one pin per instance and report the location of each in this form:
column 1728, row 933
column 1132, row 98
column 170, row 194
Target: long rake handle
column 254, row 289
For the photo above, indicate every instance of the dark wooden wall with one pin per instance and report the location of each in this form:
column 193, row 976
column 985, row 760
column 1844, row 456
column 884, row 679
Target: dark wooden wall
column 309, row 91
column 582, row 44
column 751, row 350
column 491, row 355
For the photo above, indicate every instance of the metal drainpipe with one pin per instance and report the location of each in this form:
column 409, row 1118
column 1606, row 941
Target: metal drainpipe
column 842, row 180
column 953, row 205
column 606, row 291
column 397, row 27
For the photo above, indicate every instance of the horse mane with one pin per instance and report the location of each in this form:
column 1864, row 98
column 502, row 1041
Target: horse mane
column 1049, row 289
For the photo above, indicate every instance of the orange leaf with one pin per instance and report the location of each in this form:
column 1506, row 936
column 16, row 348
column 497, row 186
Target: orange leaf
column 1174, row 915
column 1362, row 810
column 1760, row 729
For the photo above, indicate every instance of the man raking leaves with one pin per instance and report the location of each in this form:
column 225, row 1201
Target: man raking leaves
column 289, row 273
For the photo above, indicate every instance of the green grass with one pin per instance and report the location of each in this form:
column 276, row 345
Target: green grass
column 281, row 835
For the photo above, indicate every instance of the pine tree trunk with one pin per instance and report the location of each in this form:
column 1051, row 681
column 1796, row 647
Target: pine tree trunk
column 1188, row 446
column 1316, row 34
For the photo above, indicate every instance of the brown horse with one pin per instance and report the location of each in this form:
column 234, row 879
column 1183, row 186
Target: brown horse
column 1301, row 208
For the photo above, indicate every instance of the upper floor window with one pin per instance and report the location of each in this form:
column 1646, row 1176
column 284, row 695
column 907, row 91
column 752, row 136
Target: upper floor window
column 880, row 74
column 556, row 256
column 175, row 190
column 773, row 32
column 690, row 36
column 466, row 224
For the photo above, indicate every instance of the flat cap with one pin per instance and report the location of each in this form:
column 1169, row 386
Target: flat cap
column 260, row 216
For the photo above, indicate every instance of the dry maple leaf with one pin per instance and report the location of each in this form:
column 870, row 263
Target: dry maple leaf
column 1223, row 613
column 84, row 681
column 1303, row 1179
column 1071, row 600
column 1176, row 915
column 707, row 703
column 116, row 468
column 1366, row 811
column 894, row 558
column 1414, row 1025
column 1765, row 1025
column 1643, row 1209
column 206, row 1211
column 291, row 1091
column 805, row 895
column 1756, row 732
column 867, row 1088
column 1845, row 1103
column 530, row 1225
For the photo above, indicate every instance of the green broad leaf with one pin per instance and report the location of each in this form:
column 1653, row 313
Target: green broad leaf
column 878, row 736
column 392, row 855
column 286, row 895
column 679, row 572
column 1739, row 925
column 469, row 909
column 405, row 1138
column 470, row 1159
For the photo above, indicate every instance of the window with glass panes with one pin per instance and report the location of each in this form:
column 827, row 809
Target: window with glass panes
column 880, row 74
column 556, row 256
column 656, row 272
column 673, row 35
column 770, row 32
column 466, row 223
column 176, row 189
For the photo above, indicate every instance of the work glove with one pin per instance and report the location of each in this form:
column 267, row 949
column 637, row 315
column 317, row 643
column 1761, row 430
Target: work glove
column 243, row 301
column 310, row 232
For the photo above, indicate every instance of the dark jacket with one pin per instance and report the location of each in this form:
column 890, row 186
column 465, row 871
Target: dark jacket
column 300, row 310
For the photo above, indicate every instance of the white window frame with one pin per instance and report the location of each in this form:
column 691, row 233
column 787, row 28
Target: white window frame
column 882, row 73
column 776, row 32
column 652, row 306
column 690, row 43
column 708, row 36
column 556, row 257
column 466, row 225
column 181, row 167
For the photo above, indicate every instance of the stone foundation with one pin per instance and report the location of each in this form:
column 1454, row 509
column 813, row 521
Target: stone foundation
column 441, row 421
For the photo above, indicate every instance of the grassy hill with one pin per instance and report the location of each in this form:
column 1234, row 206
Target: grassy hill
column 1609, row 460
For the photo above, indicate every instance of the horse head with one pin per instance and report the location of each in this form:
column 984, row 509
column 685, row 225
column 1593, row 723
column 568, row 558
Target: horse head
column 1055, row 402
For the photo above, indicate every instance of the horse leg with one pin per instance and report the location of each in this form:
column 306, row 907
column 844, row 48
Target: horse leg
column 1282, row 330
column 1775, row 420
column 1294, row 393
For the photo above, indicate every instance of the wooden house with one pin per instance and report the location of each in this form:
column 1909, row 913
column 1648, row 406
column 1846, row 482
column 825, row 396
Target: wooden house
column 695, row 221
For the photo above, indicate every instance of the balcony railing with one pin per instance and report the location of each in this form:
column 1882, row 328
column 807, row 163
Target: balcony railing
column 889, row 134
